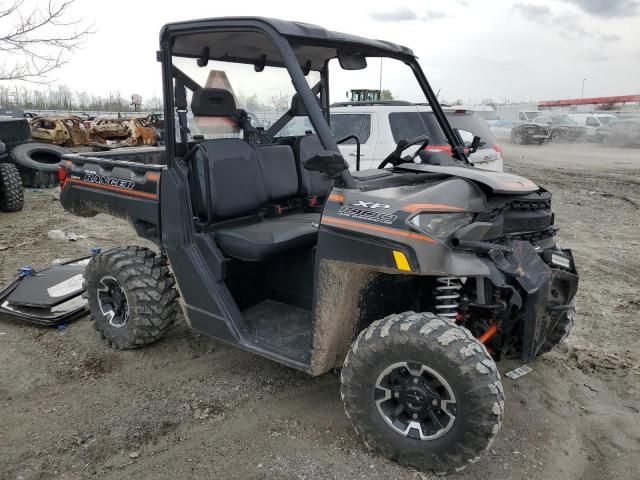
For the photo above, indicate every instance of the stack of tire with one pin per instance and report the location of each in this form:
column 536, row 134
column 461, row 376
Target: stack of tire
column 36, row 162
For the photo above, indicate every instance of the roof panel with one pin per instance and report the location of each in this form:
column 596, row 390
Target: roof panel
column 299, row 30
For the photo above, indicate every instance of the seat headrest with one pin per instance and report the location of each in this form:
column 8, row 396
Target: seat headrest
column 213, row 102
column 297, row 107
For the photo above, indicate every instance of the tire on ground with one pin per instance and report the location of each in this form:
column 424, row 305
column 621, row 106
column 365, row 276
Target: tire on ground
column 449, row 350
column 38, row 163
column 149, row 291
column 11, row 192
column 562, row 329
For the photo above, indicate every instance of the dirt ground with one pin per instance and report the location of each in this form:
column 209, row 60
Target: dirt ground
column 191, row 407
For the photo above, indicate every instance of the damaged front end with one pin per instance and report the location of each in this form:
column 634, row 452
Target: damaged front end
column 534, row 291
column 532, row 282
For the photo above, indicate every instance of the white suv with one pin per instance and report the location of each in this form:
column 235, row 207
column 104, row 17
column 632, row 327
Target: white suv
column 592, row 121
column 379, row 126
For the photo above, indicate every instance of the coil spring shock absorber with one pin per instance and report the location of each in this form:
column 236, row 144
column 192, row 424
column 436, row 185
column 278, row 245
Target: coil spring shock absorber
column 446, row 296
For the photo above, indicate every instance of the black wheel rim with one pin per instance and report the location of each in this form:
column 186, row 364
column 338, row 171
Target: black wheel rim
column 113, row 302
column 415, row 401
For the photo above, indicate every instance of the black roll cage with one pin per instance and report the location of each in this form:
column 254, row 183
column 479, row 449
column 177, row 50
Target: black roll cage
column 289, row 61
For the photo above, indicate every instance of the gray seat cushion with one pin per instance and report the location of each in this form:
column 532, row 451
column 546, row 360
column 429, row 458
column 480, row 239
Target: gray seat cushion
column 312, row 184
column 237, row 184
column 278, row 166
column 259, row 241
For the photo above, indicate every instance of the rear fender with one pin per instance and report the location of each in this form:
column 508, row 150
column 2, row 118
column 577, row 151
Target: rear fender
column 121, row 189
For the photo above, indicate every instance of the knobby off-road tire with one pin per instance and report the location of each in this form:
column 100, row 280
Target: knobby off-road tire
column 442, row 353
column 131, row 296
column 11, row 192
column 562, row 329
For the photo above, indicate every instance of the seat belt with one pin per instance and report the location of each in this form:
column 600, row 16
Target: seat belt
column 180, row 95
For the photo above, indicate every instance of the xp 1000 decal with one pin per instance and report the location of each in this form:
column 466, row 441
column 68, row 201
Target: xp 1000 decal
column 363, row 214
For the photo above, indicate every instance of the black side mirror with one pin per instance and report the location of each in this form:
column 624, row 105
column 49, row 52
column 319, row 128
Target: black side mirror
column 475, row 143
column 326, row 162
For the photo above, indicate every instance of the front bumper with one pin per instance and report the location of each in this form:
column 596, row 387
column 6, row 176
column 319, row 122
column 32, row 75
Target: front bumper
column 542, row 289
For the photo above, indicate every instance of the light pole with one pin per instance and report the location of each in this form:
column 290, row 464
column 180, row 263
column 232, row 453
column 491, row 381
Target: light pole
column 582, row 92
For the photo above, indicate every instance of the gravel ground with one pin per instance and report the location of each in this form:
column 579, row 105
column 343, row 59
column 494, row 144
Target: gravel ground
column 191, row 407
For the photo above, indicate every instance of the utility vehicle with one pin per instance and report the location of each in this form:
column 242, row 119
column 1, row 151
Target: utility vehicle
column 413, row 278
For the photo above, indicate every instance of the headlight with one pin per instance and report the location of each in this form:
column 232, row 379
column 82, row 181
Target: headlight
column 441, row 225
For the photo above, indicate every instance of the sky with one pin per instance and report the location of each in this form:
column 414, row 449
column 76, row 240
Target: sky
column 469, row 49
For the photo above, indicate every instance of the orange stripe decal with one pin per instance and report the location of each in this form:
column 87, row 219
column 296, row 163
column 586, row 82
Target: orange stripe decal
column 413, row 207
column 124, row 191
column 376, row 228
column 336, row 197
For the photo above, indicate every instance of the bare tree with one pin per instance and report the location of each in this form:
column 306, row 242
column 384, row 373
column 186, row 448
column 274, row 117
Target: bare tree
column 280, row 101
column 83, row 99
column 35, row 41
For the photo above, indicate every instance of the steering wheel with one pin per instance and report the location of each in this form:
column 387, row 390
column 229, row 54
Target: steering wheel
column 395, row 158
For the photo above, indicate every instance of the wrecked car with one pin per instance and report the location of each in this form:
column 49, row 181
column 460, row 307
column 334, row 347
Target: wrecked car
column 561, row 127
column 122, row 132
column 413, row 278
column 64, row 131
column 520, row 133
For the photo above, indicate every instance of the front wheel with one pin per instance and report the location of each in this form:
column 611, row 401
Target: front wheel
column 422, row 391
column 520, row 139
column 562, row 329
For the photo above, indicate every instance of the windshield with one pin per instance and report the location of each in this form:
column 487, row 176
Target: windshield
column 470, row 122
column 386, row 86
column 346, row 124
column 605, row 120
column 413, row 124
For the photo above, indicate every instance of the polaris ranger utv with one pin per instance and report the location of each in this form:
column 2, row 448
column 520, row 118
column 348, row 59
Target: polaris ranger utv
column 414, row 278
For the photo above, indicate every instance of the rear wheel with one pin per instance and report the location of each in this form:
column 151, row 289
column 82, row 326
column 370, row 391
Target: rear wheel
column 422, row 391
column 11, row 192
column 131, row 296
